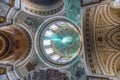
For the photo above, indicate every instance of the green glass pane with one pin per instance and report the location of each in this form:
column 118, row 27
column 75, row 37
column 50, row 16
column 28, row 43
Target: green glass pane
column 66, row 41
column 73, row 10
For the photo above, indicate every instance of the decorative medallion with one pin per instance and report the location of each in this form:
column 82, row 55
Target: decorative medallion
column 113, row 38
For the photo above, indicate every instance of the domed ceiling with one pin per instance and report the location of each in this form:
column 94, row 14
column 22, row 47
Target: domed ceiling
column 59, row 39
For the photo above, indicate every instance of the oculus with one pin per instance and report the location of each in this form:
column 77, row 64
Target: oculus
column 59, row 41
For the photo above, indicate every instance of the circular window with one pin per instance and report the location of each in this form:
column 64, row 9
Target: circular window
column 58, row 41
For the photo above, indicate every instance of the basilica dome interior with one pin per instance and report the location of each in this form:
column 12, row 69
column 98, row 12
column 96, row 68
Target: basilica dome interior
column 59, row 39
